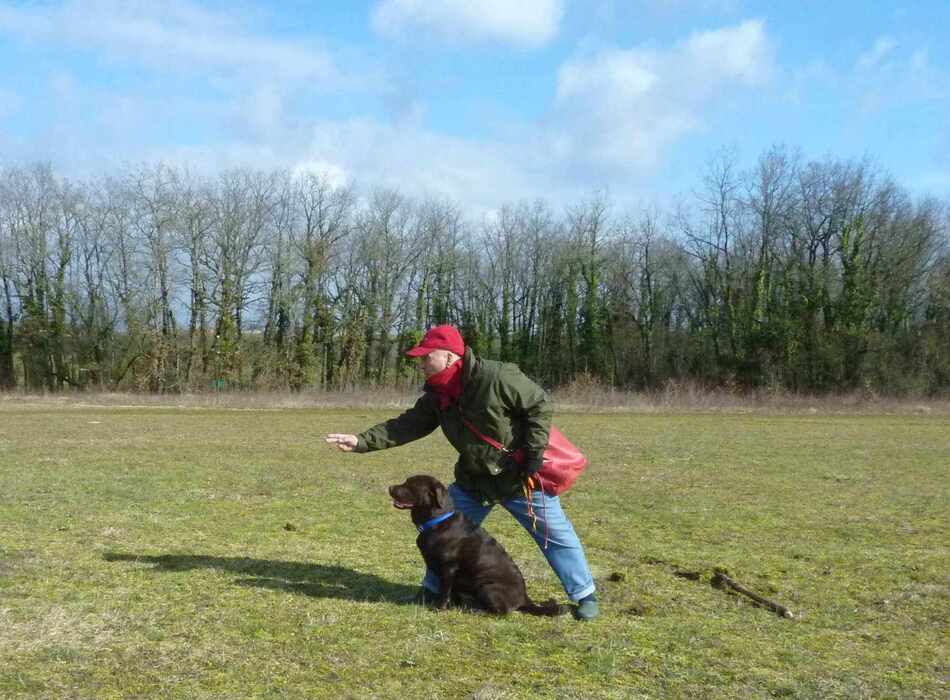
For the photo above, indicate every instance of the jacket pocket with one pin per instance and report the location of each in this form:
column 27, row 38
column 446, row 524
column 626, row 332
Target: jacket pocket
column 481, row 459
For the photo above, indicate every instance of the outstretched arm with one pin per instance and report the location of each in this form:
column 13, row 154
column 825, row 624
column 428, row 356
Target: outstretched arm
column 417, row 422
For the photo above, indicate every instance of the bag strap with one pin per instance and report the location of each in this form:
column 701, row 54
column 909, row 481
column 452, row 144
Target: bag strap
column 491, row 441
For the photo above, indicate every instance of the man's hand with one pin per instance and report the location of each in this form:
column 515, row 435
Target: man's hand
column 532, row 464
column 344, row 442
column 528, row 466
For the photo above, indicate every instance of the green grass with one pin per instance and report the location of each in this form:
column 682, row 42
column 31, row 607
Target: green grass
column 229, row 553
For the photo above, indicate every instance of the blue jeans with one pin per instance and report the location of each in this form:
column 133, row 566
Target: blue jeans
column 564, row 551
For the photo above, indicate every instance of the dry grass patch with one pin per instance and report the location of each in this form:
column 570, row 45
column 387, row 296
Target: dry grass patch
column 59, row 629
column 584, row 395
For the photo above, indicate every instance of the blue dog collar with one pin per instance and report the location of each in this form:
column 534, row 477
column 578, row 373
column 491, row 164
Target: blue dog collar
column 429, row 524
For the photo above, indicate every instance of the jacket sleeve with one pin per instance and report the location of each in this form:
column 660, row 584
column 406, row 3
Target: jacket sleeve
column 527, row 404
column 417, row 422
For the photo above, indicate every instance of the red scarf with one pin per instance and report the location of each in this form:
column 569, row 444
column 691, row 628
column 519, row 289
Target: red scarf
column 447, row 384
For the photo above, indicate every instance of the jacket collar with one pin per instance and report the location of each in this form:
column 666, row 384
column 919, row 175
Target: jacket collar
column 471, row 366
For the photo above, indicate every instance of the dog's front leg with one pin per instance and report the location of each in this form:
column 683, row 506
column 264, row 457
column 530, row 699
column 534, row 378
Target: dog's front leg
column 448, row 584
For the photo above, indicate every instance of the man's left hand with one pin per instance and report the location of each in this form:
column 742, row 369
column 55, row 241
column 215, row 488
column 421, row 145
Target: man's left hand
column 527, row 466
column 532, row 464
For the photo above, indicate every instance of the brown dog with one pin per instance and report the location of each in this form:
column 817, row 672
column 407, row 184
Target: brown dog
column 465, row 557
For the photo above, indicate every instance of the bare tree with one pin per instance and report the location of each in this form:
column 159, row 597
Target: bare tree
column 321, row 220
column 94, row 313
column 643, row 278
column 241, row 214
column 823, row 275
column 194, row 219
column 152, row 196
column 589, row 229
column 31, row 196
column 386, row 246
column 503, row 248
column 8, row 303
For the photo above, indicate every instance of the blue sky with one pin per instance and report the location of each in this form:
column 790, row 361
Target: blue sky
column 482, row 102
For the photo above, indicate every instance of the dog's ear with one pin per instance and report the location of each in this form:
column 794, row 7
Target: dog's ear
column 440, row 496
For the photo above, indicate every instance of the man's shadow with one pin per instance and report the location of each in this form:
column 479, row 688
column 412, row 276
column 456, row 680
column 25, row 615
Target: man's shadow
column 314, row 580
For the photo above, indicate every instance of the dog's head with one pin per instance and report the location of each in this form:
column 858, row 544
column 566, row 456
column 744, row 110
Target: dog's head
column 424, row 495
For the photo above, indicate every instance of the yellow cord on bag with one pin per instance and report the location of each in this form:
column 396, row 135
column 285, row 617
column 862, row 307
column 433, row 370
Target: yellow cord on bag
column 528, row 486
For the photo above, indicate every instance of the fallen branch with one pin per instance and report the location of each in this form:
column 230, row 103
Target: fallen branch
column 721, row 580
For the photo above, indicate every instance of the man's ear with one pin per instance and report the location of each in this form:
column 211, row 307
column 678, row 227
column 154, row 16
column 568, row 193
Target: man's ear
column 451, row 358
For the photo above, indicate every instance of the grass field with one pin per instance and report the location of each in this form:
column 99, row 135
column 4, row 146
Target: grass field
column 209, row 553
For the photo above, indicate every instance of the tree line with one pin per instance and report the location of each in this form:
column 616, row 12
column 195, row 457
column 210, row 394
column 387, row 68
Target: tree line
column 799, row 275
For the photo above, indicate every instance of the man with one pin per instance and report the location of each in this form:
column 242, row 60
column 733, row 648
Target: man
column 463, row 392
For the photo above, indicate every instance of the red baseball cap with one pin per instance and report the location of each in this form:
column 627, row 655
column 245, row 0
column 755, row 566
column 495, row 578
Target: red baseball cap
column 439, row 338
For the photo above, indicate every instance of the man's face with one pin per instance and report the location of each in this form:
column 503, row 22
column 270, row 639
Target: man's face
column 435, row 362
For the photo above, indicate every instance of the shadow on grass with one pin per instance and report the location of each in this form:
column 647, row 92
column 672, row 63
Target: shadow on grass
column 315, row 580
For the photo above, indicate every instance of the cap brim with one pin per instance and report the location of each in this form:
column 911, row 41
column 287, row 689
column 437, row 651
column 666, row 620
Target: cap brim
column 418, row 351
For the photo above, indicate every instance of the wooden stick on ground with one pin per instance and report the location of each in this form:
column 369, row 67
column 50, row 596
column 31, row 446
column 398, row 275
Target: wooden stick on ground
column 721, row 580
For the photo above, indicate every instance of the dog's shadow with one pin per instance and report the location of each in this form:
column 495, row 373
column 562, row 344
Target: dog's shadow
column 317, row 580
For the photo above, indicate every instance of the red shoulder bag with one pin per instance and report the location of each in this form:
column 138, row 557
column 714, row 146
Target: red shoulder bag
column 563, row 462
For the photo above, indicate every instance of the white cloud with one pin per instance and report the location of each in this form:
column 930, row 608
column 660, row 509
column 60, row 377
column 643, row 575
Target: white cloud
column 419, row 162
column 170, row 34
column 332, row 173
column 624, row 106
column 217, row 71
column 885, row 76
column 741, row 53
column 262, row 110
column 611, row 108
column 926, row 80
column 614, row 114
column 875, row 56
column 521, row 22
column 480, row 175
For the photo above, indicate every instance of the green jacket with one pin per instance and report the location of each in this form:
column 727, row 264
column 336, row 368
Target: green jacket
column 499, row 400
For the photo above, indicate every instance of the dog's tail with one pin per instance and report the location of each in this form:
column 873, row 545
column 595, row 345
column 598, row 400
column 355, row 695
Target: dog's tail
column 549, row 608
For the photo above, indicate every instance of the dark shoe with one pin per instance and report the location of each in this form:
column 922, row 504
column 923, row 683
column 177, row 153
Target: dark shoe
column 587, row 608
